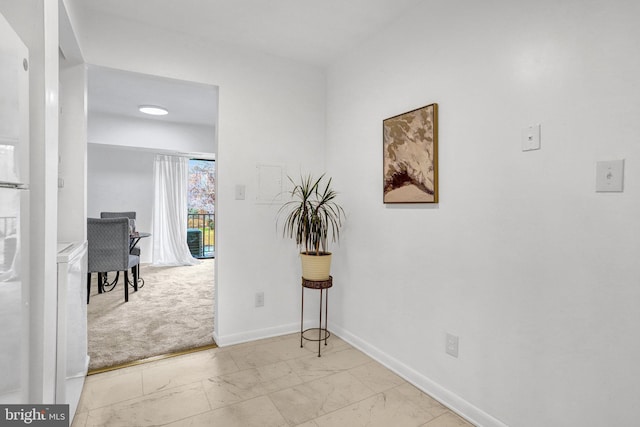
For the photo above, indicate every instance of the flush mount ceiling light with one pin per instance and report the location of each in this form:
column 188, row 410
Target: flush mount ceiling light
column 154, row 110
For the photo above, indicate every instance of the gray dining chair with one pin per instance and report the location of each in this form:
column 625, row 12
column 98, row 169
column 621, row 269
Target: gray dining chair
column 132, row 223
column 108, row 250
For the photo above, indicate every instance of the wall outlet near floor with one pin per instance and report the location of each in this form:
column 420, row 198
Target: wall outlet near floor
column 259, row 299
column 609, row 176
column 452, row 345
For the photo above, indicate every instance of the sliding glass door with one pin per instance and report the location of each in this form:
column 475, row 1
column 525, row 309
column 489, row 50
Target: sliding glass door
column 201, row 206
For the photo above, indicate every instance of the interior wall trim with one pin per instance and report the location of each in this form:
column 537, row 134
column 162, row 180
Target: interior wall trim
column 256, row 334
column 462, row 407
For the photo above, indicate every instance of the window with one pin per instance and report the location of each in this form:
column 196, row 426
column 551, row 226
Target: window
column 201, row 207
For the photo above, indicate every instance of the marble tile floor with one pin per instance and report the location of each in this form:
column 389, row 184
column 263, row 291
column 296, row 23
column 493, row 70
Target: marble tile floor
column 270, row 382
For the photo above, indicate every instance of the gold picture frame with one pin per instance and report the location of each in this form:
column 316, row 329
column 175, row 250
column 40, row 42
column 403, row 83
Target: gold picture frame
column 410, row 156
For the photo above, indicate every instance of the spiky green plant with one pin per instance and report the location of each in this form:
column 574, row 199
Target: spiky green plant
column 312, row 215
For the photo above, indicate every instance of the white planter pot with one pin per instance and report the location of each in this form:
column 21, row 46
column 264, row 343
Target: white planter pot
column 316, row 267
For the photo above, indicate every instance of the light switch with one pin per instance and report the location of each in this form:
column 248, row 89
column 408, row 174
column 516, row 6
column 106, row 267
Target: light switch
column 609, row 176
column 240, row 192
column 531, row 138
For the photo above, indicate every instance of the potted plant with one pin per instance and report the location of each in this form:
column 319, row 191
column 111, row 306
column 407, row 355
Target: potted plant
column 312, row 216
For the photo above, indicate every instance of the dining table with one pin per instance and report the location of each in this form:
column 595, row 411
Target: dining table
column 134, row 238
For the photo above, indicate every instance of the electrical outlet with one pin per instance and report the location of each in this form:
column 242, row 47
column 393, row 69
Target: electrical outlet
column 259, row 299
column 452, row 345
column 609, row 176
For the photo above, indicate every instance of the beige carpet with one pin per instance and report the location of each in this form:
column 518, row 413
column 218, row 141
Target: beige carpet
column 172, row 312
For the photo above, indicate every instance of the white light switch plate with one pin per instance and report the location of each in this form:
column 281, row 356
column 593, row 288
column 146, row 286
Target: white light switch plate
column 240, row 192
column 531, row 138
column 609, row 176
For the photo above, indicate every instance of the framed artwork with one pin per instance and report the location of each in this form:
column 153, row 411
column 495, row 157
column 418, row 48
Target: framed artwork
column 410, row 159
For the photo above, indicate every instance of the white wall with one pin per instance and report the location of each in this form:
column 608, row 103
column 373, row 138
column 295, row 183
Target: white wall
column 120, row 180
column 128, row 131
column 72, row 167
column 535, row 272
column 271, row 111
column 72, row 141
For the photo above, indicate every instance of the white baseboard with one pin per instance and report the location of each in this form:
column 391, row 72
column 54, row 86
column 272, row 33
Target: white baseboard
column 471, row 413
column 451, row 400
column 256, row 334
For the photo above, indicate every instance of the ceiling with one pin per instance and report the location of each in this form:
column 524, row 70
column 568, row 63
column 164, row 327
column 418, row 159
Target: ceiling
column 316, row 32
column 120, row 93
column 312, row 32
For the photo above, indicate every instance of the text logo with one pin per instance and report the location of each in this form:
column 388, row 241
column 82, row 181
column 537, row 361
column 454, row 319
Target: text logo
column 34, row 415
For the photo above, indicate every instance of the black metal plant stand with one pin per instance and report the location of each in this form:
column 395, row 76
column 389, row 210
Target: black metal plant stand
column 323, row 333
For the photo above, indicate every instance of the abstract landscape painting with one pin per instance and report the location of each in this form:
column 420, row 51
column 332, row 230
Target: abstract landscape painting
column 410, row 143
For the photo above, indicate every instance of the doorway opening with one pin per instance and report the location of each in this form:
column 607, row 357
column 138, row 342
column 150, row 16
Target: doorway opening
column 120, row 177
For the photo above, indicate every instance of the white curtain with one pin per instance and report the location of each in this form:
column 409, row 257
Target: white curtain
column 170, row 247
